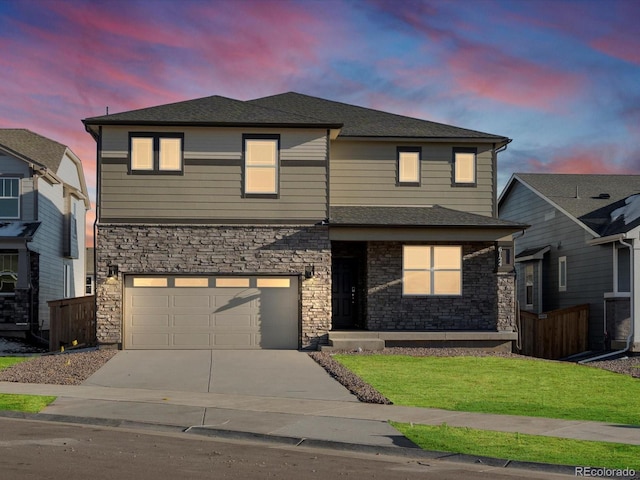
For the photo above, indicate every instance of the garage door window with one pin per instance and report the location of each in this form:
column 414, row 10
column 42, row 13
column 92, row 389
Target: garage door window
column 273, row 283
column 192, row 282
column 150, row 282
column 232, row 282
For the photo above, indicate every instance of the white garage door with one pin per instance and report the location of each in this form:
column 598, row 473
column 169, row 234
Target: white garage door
column 210, row 312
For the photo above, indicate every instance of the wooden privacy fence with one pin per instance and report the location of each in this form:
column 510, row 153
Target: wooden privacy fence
column 555, row 334
column 72, row 319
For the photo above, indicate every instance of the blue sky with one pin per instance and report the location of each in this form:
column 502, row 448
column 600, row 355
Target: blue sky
column 561, row 78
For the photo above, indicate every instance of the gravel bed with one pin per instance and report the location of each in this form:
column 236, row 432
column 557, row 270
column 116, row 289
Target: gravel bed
column 70, row 368
column 366, row 393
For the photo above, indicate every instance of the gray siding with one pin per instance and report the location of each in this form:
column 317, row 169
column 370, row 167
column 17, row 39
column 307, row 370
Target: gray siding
column 589, row 268
column 211, row 187
column 364, row 173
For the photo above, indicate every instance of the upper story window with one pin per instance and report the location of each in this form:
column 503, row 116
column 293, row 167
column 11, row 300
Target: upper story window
column 261, row 165
column 8, row 272
column 9, row 197
column 408, row 167
column 464, row 166
column 156, row 152
column 622, row 270
column 431, row 270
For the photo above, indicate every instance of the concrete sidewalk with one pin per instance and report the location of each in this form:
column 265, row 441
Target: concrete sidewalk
column 345, row 421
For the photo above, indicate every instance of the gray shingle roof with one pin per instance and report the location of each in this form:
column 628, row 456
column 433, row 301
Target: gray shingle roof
column 588, row 198
column 214, row 110
column 366, row 122
column 34, row 147
column 291, row 109
column 435, row 216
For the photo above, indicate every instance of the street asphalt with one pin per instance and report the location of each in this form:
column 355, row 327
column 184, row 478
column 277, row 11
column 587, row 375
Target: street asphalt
column 273, row 394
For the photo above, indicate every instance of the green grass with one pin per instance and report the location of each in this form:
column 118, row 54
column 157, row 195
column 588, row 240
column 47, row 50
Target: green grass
column 501, row 385
column 21, row 403
column 522, row 447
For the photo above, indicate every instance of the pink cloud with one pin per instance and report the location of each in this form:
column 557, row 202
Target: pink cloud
column 587, row 160
column 492, row 74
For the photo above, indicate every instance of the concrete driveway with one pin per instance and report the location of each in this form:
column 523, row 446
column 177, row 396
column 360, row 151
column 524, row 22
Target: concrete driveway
column 269, row 373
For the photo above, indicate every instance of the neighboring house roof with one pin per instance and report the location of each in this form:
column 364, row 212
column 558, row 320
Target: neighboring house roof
column 43, row 152
column 435, row 216
column 18, row 229
column 588, row 199
column 29, row 145
column 291, row 109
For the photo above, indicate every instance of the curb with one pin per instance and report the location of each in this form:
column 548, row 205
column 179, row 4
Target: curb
column 397, row 451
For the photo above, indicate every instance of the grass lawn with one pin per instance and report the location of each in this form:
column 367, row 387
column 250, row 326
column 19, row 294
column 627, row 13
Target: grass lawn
column 21, row 403
column 501, row 385
column 529, row 448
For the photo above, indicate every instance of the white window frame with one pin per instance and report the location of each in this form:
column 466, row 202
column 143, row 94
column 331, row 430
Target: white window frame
column 562, row 274
column 529, row 284
column 431, row 269
column 6, row 184
column 252, row 166
column 616, row 270
column 88, row 285
column 156, row 148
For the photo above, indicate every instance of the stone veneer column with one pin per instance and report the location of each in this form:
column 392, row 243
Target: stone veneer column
column 149, row 249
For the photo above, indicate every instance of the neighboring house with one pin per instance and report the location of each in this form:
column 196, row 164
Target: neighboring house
column 90, row 273
column 582, row 247
column 43, row 201
column 275, row 222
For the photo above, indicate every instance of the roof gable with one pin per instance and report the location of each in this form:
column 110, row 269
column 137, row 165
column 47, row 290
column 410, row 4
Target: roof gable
column 587, row 199
column 32, row 147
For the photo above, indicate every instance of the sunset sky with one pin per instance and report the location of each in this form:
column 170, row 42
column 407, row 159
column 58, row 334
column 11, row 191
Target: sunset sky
column 559, row 77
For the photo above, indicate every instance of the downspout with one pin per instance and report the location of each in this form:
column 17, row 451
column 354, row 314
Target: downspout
column 631, row 307
column 95, row 236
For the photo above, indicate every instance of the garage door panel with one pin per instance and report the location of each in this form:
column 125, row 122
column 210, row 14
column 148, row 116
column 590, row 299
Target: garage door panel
column 191, row 301
column 191, row 320
column 151, row 320
column 187, row 315
column 139, row 300
column 192, row 339
column 221, row 320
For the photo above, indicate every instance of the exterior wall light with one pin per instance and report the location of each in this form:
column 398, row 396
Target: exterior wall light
column 309, row 271
column 113, row 272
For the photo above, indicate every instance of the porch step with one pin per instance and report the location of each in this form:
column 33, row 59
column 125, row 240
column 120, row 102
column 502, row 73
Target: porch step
column 354, row 344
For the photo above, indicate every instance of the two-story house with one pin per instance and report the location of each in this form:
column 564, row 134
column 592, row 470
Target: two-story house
column 43, row 202
column 277, row 222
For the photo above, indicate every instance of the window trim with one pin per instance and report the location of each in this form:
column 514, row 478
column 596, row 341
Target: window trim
column 17, row 272
column 18, row 197
column 155, row 137
column 454, row 178
column 258, row 136
column 616, row 270
column 562, row 279
column 432, row 270
column 529, row 284
column 402, row 183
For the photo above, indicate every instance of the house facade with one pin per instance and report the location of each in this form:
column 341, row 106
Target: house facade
column 273, row 222
column 43, row 202
column 582, row 248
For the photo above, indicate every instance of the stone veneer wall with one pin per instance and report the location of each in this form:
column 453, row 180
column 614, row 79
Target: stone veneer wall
column 215, row 249
column 487, row 301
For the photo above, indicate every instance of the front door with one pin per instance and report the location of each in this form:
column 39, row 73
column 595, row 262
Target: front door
column 344, row 293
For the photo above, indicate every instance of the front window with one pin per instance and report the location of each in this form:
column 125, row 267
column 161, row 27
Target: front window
column 562, row 274
column 622, row 265
column 408, row 169
column 464, row 166
column 9, row 198
column 261, row 165
column 431, row 270
column 8, row 272
column 156, row 153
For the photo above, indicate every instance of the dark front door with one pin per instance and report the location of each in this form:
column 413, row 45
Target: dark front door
column 344, row 293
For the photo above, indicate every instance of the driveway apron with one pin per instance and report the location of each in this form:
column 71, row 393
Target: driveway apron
column 269, row 373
